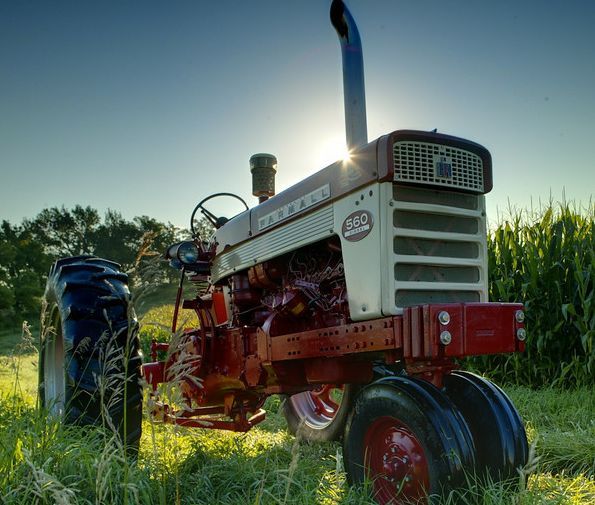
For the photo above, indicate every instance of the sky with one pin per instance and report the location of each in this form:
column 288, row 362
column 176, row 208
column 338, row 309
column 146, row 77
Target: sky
column 146, row 107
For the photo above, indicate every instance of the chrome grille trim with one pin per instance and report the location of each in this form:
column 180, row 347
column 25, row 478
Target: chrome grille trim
column 416, row 162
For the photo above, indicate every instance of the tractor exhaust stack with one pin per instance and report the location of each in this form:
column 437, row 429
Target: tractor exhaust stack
column 356, row 129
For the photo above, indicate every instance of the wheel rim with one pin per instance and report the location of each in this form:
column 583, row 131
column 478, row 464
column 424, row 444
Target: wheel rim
column 53, row 370
column 319, row 407
column 396, row 462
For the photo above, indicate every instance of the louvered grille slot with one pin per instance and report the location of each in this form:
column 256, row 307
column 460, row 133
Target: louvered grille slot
column 408, row 297
column 434, row 196
column 439, row 246
column 436, row 273
column 427, row 247
column 436, row 164
column 434, row 222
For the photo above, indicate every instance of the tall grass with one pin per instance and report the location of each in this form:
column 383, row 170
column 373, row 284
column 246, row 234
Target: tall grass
column 45, row 462
column 545, row 258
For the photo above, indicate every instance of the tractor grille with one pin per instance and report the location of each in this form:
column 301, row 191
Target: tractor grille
column 435, row 164
column 438, row 246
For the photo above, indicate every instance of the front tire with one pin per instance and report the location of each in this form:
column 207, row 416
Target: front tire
column 89, row 348
column 408, row 439
column 496, row 426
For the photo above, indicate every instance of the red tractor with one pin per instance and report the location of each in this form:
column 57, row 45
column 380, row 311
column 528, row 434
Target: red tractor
column 353, row 294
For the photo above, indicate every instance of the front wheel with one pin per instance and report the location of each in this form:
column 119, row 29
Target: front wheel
column 89, row 348
column 496, row 426
column 320, row 415
column 408, row 439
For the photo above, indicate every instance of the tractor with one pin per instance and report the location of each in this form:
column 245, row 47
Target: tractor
column 353, row 294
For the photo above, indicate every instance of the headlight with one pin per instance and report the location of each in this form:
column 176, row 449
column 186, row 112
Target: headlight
column 187, row 253
column 444, row 317
column 519, row 316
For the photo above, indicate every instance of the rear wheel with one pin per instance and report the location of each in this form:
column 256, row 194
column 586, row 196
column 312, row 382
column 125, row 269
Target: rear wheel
column 89, row 353
column 496, row 426
column 408, row 439
column 319, row 415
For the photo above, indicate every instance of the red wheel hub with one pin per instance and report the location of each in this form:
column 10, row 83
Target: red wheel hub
column 324, row 404
column 318, row 408
column 396, row 462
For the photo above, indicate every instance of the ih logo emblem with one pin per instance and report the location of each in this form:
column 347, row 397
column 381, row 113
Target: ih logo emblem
column 444, row 167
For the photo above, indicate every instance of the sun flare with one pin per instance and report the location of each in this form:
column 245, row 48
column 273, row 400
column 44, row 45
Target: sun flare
column 332, row 150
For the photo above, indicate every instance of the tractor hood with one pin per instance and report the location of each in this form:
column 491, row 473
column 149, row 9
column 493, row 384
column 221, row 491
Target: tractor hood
column 375, row 161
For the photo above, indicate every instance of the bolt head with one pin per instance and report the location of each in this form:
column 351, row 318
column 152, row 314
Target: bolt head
column 519, row 316
column 444, row 317
column 521, row 334
column 445, row 337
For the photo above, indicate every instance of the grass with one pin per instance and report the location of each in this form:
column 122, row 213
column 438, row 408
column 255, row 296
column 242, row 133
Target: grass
column 42, row 461
column 18, row 364
column 563, row 425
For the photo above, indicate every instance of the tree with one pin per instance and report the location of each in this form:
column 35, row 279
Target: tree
column 64, row 232
column 204, row 229
column 117, row 239
column 161, row 235
column 7, row 255
column 23, row 267
column 28, row 250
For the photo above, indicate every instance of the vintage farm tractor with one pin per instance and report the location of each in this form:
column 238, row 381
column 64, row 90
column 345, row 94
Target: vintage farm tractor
column 353, row 294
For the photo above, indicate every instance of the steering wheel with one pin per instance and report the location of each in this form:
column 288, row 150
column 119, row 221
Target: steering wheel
column 217, row 222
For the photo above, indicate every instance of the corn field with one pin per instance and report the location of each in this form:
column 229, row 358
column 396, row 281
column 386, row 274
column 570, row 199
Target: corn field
column 546, row 260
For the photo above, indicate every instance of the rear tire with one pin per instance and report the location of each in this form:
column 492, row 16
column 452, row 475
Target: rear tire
column 408, row 439
column 89, row 348
column 320, row 415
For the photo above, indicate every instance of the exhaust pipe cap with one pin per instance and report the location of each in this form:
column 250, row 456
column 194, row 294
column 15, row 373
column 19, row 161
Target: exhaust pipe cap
column 263, row 167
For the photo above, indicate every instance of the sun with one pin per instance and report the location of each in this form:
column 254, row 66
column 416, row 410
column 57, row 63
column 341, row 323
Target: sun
column 332, row 150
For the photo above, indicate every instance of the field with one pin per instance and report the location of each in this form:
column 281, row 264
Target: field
column 44, row 462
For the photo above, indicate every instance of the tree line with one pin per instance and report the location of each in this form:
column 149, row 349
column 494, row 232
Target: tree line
column 27, row 250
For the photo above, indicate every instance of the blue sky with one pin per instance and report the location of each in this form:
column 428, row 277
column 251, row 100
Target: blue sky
column 147, row 107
